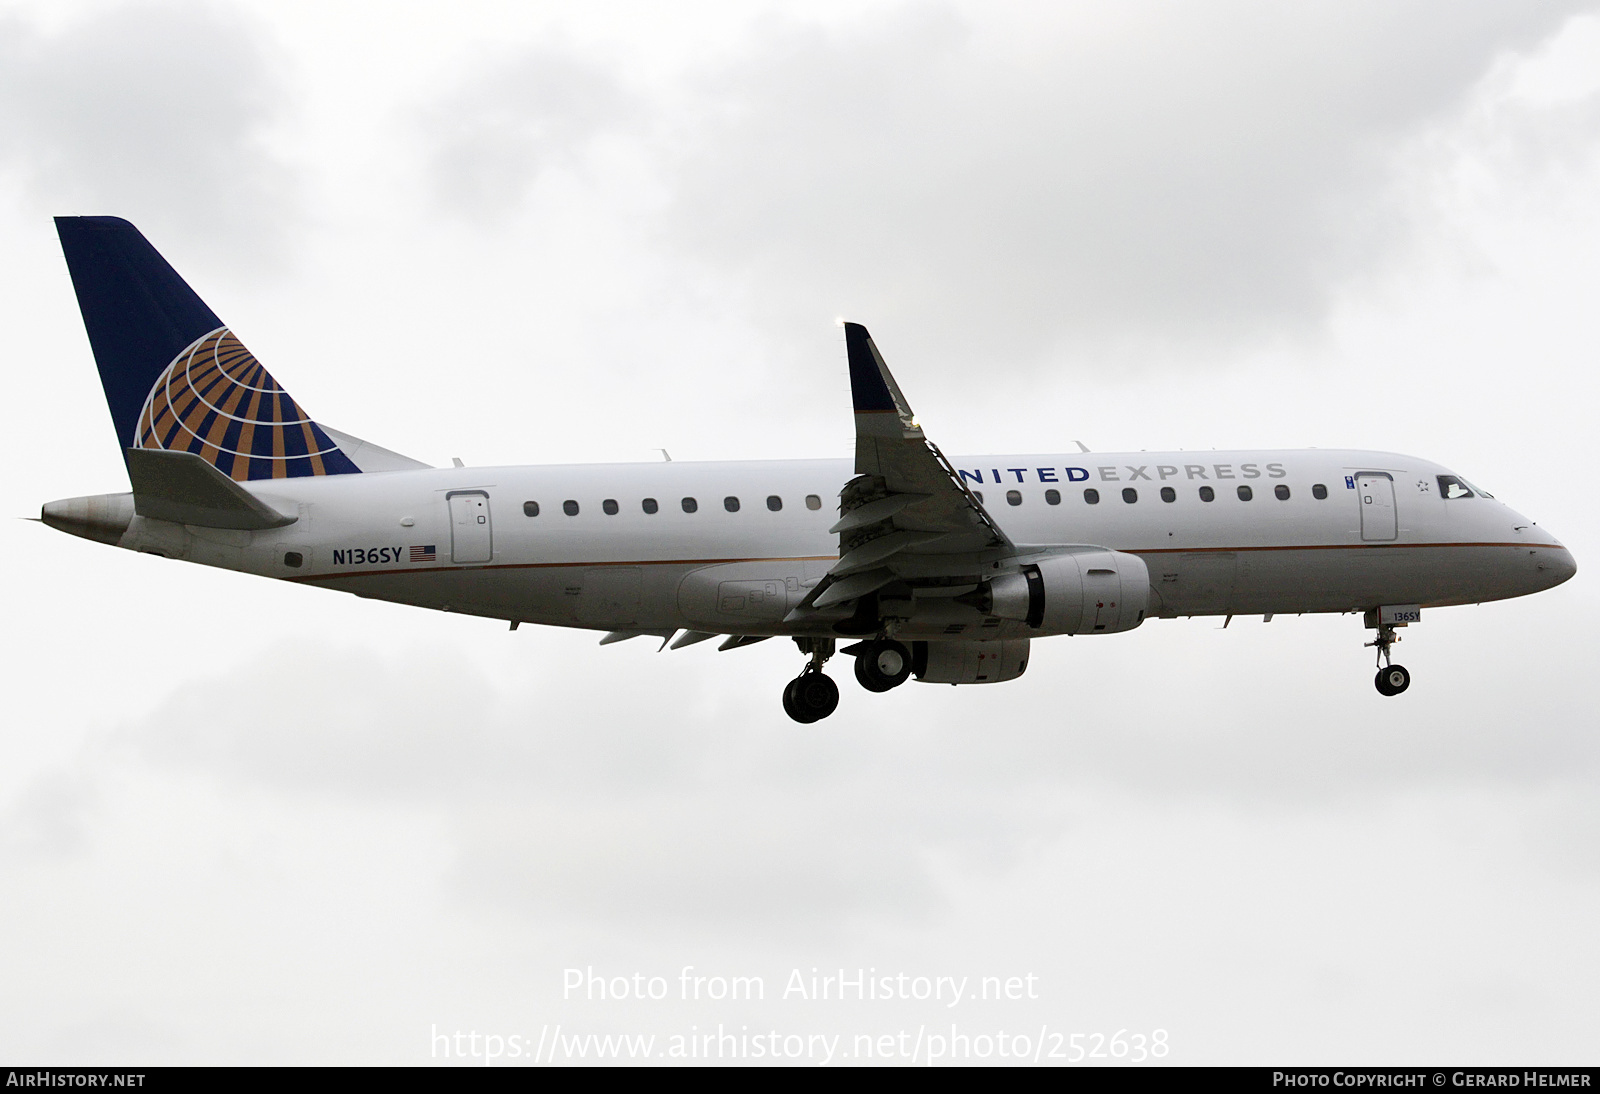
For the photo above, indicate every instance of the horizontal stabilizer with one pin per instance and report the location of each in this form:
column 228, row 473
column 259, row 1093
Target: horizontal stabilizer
column 186, row 489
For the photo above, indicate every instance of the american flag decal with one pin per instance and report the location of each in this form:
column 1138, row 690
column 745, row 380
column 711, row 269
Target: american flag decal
column 423, row 554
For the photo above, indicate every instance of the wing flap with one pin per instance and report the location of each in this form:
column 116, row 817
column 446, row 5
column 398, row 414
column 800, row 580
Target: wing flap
column 848, row 588
column 873, row 511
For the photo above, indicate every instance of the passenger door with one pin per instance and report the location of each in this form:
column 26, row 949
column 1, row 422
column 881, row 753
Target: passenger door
column 1379, row 522
column 471, row 534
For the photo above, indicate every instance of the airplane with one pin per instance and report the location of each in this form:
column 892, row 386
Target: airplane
column 929, row 566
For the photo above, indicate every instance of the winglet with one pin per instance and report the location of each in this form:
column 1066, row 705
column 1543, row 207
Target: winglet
column 872, row 386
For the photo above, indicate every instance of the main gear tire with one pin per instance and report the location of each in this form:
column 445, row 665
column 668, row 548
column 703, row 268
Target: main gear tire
column 883, row 664
column 810, row 697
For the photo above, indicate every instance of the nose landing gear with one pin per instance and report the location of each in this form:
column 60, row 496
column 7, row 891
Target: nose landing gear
column 1392, row 679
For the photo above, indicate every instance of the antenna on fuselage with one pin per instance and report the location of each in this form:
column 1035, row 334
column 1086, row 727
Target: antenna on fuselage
column 665, row 454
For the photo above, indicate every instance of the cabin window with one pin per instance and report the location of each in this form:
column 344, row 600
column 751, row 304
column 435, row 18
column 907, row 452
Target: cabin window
column 690, row 505
column 1091, row 496
column 609, row 507
column 730, row 503
column 1207, row 494
column 530, row 508
column 569, row 507
column 1130, row 495
column 1451, row 488
column 1168, row 494
column 979, row 495
column 813, row 502
column 1013, row 497
column 1052, row 497
column 293, row 559
column 1319, row 491
column 1281, row 492
column 1245, row 493
column 774, row 502
column 649, row 505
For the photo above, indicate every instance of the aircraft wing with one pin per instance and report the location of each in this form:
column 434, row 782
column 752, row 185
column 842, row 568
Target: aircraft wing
column 906, row 515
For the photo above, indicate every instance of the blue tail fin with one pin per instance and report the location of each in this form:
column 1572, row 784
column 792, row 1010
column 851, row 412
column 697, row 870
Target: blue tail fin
column 175, row 378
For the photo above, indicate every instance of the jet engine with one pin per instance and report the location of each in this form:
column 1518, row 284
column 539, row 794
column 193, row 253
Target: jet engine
column 969, row 662
column 1088, row 592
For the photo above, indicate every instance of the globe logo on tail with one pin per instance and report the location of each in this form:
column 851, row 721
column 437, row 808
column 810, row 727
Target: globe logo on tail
column 217, row 401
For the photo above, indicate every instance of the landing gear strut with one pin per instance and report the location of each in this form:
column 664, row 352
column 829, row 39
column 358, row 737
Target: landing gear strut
column 1392, row 679
column 812, row 696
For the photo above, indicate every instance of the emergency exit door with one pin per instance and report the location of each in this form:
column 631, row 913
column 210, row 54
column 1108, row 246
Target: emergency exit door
column 1378, row 519
column 471, row 534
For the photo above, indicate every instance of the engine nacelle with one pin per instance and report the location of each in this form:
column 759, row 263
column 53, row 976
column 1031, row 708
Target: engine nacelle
column 1091, row 592
column 969, row 662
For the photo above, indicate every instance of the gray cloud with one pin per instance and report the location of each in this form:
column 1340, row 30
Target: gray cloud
column 555, row 808
column 995, row 192
column 710, row 808
column 156, row 113
column 52, row 817
column 1159, row 173
column 490, row 139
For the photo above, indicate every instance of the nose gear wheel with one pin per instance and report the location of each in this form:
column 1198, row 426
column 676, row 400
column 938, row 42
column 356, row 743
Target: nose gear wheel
column 1392, row 679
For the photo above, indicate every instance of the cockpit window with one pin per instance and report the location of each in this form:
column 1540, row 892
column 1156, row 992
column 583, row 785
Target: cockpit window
column 1476, row 489
column 1451, row 488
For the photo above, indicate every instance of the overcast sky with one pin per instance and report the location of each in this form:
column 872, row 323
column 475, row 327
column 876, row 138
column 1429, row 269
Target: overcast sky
column 250, row 822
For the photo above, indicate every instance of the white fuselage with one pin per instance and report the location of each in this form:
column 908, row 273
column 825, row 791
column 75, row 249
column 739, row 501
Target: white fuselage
column 459, row 539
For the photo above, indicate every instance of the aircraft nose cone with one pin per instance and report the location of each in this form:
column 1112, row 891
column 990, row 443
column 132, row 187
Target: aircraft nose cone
column 1557, row 564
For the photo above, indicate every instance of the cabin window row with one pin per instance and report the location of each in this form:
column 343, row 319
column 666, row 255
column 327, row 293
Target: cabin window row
column 1130, row 495
column 651, row 506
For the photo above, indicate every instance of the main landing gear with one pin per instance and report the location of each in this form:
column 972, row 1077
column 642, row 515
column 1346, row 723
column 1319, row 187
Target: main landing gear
column 881, row 664
column 812, row 696
column 1392, row 679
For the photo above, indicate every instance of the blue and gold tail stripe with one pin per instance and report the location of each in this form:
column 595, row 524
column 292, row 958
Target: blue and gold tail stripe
column 217, row 401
